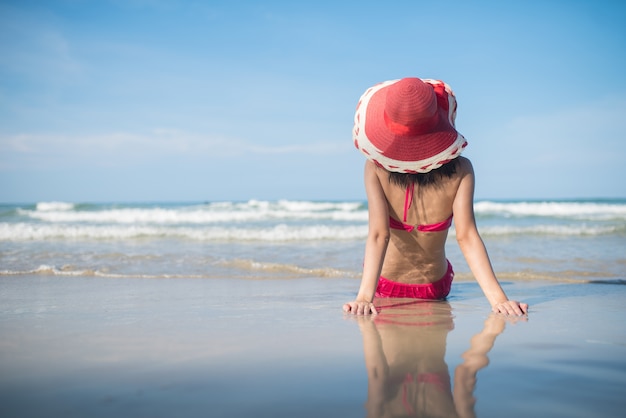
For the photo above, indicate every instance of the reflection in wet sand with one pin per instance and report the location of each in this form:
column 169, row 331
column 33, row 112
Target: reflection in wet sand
column 405, row 348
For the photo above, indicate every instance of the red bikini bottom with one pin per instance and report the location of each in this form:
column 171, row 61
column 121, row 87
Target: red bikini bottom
column 436, row 290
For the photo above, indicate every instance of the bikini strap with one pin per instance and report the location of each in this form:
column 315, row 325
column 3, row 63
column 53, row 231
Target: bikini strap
column 408, row 200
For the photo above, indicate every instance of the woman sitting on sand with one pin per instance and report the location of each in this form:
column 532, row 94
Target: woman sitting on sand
column 415, row 182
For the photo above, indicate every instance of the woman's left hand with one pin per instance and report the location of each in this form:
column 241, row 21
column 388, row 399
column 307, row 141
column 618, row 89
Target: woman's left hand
column 360, row 308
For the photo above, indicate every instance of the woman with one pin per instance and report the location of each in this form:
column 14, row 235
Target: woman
column 415, row 182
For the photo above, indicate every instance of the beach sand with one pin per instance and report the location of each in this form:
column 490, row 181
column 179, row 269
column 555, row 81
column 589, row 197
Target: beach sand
column 100, row 347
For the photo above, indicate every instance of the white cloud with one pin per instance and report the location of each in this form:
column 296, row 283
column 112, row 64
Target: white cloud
column 63, row 150
column 591, row 133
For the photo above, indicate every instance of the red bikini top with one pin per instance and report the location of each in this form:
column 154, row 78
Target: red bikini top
column 408, row 200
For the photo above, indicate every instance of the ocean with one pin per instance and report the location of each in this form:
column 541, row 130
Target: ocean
column 559, row 240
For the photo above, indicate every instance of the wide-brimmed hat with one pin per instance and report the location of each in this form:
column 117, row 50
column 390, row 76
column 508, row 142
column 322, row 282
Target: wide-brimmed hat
column 407, row 125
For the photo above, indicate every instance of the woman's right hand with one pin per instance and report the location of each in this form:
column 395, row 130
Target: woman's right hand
column 360, row 308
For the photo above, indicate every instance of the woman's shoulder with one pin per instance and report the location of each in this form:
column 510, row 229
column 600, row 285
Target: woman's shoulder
column 465, row 166
column 373, row 170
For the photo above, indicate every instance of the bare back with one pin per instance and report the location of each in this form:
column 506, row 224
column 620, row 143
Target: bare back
column 419, row 257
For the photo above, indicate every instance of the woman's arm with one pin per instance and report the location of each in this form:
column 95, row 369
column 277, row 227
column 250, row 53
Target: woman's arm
column 377, row 368
column 474, row 250
column 376, row 245
column 475, row 358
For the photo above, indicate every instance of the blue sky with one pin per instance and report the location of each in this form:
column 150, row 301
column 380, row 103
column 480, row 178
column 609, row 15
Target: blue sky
column 158, row 100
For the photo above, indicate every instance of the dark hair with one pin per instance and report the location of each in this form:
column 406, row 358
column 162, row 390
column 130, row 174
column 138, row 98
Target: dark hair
column 425, row 179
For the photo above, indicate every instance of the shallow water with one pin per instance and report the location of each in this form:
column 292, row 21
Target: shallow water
column 91, row 346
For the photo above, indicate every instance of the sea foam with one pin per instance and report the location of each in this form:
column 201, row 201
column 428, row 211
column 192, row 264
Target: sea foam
column 573, row 210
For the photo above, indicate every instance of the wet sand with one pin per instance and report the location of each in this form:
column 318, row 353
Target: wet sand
column 100, row 347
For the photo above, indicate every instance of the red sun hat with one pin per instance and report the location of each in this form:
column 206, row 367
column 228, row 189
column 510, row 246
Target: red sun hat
column 407, row 125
